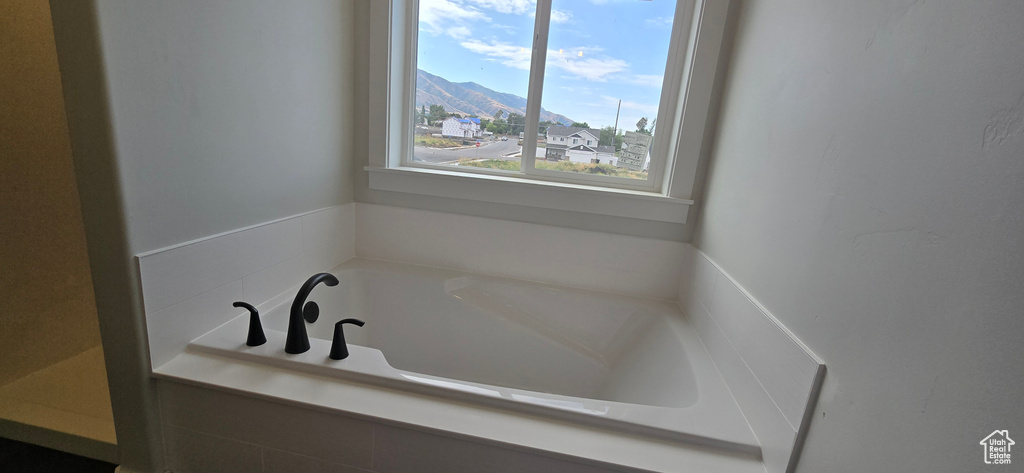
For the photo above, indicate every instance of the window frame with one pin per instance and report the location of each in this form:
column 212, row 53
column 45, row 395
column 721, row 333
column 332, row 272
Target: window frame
column 686, row 92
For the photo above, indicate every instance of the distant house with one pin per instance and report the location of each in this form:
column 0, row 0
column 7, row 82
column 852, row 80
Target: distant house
column 577, row 145
column 461, row 127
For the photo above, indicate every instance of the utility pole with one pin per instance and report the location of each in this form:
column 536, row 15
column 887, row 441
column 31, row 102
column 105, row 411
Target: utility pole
column 615, row 129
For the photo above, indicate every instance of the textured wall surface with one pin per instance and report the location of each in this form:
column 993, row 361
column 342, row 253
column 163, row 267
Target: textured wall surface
column 228, row 114
column 867, row 187
column 47, row 312
column 189, row 119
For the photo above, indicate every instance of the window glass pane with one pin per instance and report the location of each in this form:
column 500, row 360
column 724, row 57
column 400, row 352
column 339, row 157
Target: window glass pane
column 473, row 60
column 602, row 85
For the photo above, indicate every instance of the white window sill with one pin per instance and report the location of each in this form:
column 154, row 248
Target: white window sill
column 530, row 193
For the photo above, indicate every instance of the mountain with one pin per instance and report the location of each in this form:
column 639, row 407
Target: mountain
column 470, row 98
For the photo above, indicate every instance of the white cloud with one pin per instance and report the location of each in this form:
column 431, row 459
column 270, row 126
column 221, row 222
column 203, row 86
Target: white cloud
column 559, row 16
column 646, row 80
column 592, row 65
column 444, row 16
column 456, row 18
column 650, row 111
column 659, row 22
column 506, row 28
column 517, row 7
column 458, row 32
column 592, row 69
column 509, row 55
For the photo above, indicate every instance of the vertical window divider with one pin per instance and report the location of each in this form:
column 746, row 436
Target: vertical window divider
column 411, row 46
column 538, row 60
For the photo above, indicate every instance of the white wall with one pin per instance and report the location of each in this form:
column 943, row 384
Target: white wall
column 229, row 113
column 867, row 187
column 187, row 119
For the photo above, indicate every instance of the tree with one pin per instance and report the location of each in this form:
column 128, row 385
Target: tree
column 516, row 123
column 498, row 127
column 580, row 125
column 542, row 127
column 437, row 114
column 609, row 137
column 422, row 118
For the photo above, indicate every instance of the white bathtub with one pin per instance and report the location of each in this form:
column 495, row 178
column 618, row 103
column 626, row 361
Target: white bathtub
column 608, row 360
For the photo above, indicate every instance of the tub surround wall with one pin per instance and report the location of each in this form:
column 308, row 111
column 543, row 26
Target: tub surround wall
column 585, row 259
column 188, row 289
column 774, row 378
column 185, row 283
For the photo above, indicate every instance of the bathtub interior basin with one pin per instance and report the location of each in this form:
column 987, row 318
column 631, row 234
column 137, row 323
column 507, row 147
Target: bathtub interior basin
column 603, row 359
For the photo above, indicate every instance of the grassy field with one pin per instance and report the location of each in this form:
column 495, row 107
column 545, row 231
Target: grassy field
column 435, row 142
column 564, row 166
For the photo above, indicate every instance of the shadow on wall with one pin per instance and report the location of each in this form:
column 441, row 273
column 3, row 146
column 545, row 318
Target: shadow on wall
column 48, row 313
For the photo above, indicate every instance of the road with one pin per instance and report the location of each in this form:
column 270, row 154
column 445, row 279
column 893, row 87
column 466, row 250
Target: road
column 487, row 150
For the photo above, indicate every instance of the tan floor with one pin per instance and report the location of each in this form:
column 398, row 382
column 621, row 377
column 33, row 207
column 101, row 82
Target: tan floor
column 70, row 397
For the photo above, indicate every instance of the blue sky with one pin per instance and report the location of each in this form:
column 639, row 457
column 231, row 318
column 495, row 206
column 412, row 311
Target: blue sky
column 599, row 51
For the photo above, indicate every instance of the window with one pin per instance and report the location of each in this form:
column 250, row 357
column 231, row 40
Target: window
column 492, row 61
column 631, row 79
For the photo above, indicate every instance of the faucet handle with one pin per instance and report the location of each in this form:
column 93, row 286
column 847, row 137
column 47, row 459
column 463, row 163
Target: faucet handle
column 311, row 311
column 256, row 337
column 339, row 349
